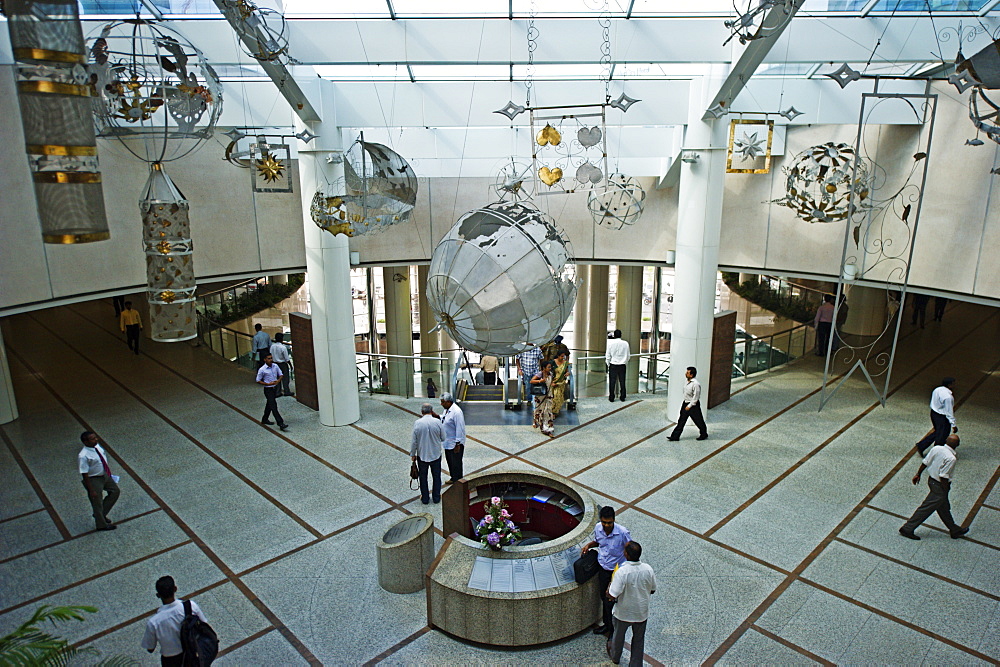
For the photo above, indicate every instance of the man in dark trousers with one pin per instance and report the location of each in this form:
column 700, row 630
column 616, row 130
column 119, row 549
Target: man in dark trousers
column 939, row 464
column 131, row 324
column 617, row 356
column 691, row 407
column 823, row 321
column 261, row 344
column 631, row 587
column 942, row 416
column 920, row 309
column 269, row 375
column 164, row 627
column 610, row 539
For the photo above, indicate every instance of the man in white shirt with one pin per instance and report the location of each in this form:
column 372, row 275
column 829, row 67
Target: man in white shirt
column 261, row 344
column 691, row 407
column 453, row 420
column 269, row 375
column 425, row 450
column 281, row 356
column 616, row 356
column 92, row 462
column 942, row 415
column 631, row 587
column 164, row 627
column 939, row 464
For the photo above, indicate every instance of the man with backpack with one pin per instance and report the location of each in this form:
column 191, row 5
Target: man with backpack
column 180, row 628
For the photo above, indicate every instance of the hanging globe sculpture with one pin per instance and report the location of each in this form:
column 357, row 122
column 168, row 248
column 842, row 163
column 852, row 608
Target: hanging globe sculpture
column 616, row 203
column 155, row 90
column 496, row 279
column 821, row 182
column 379, row 190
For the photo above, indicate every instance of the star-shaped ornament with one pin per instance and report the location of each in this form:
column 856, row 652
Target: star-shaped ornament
column 269, row 168
column 844, row 75
column 306, row 136
column 624, row 102
column 717, row 110
column 791, row 113
column 511, row 110
column 235, row 134
column 749, row 147
column 962, row 80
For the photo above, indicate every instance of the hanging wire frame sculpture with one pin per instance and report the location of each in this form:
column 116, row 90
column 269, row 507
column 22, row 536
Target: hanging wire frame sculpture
column 617, row 203
column 379, row 190
column 263, row 32
column 749, row 24
column 498, row 279
column 514, row 181
column 156, row 92
column 823, row 182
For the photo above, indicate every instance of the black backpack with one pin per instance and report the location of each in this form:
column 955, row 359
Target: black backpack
column 198, row 639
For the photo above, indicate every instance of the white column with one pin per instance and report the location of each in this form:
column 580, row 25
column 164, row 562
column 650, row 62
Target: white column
column 867, row 311
column 581, row 310
column 8, row 406
column 328, row 264
column 398, row 328
column 628, row 318
column 597, row 326
column 699, row 221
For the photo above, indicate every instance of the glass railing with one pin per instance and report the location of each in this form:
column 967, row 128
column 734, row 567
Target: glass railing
column 755, row 355
column 591, row 375
column 376, row 374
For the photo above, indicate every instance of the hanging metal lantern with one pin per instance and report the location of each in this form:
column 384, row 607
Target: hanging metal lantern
column 617, row 203
column 821, row 182
column 170, row 277
column 55, row 96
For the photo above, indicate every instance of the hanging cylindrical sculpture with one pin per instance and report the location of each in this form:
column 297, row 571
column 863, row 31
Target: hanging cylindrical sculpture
column 169, row 264
column 54, row 92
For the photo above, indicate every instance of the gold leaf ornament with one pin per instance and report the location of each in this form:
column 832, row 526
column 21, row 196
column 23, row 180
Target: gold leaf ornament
column 548, row 136
column 550, row 176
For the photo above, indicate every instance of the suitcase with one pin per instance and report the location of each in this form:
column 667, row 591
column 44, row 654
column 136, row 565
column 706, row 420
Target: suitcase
column 513, row 399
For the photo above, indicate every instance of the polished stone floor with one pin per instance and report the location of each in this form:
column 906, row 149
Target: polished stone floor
column 774, row 541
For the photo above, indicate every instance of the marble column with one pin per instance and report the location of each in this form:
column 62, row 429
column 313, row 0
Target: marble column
column 328, row 263
column 597, row 324
column 8, row 406
column 628, row 318
column 581, row 311
column 699, row 222
column 398, row 328
column 867, row 311
column 430, row 343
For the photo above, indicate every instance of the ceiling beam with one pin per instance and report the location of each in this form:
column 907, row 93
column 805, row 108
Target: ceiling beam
column 753, row 56
column 276, row 70
column 867, row 9
column 988, row 7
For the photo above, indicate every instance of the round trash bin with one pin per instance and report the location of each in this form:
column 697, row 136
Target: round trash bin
column 405, row 553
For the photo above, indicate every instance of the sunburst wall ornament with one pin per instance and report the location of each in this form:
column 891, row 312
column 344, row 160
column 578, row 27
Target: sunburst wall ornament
column 821, row 182
column 750, row 144
column 271, row 167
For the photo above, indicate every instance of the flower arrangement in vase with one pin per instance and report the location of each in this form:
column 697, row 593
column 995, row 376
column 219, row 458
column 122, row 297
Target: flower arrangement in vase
column 496, row 530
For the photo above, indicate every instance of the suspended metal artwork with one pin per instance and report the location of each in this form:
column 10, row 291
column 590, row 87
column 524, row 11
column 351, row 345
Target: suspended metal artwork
column 263, row 32
column 170, row 275
column 825, row 183
column 54, row 94
column 617, row 203
column 750, row 143
column 749, row 23
column 878, row 245
column 514, row 181
column 271, row 167
column 499, row 279
column 156, row 92
column 379, row 190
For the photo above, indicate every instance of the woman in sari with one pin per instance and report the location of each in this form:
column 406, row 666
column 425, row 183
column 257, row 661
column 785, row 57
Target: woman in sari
column 543, row 403
column 560, row 380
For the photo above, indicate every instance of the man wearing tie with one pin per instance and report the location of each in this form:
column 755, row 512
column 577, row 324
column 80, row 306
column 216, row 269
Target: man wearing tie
column 97, row 479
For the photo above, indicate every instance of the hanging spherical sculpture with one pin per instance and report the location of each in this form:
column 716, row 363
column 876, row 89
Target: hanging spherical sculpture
column 822, row 181
column 379, row 190
column 617, row 203
column 155, row 90
column 496, row 280
column 984, row 113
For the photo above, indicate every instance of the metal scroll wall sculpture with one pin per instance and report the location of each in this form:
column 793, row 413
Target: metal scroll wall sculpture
column 826, row 183
column 879, row 237
column 160, row 97
column 54, row 92
column 496, row 280
column 379, row 190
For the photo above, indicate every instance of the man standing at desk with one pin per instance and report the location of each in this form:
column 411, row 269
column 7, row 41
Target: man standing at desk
column 610, row 539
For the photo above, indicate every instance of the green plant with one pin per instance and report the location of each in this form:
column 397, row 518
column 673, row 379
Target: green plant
column 800, row 309
column 29, row 645
column 249, row 303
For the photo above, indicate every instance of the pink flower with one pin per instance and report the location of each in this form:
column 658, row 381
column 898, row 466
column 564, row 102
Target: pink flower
column 505, row 514
column 495, row 500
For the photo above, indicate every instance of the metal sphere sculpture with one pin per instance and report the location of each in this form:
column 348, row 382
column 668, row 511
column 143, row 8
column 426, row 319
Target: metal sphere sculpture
column 153, row 85
column 821, row 183
column 617, row 203
column 379, row 190
column 496, row 279
column 984, row 112
column 263, row 31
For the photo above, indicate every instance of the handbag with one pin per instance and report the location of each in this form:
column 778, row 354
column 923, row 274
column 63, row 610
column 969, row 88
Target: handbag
column 585, row 567
column 538, row 390
column 414, row 474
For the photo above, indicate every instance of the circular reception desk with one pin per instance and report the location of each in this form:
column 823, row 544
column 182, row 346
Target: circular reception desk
column 520, row 595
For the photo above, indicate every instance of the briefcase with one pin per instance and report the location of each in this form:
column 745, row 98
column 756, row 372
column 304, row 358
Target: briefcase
column 585, row 567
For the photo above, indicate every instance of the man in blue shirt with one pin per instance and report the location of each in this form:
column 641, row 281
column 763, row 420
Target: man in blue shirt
column 527, row 366
column 261, row 344
column 610, row 539
column 269, row 375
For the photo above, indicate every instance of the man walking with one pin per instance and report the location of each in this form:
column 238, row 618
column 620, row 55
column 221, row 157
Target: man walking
column 939, row 464
column 631, row 587
column 164, row 627
column 453, row 420
column 616, row 356
column 691, row 407
column 425, row 450
column 920, row 302
column 98, row 480
column 281, row 356
column 610, row 539
column 942, row 415
column 823, row 322
column 527, row 366
column 261, row 344
column 269, row 375
column 131, row 324
column 490, row 365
